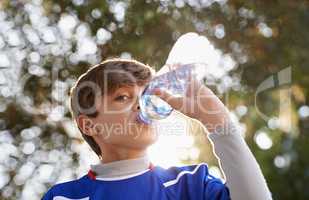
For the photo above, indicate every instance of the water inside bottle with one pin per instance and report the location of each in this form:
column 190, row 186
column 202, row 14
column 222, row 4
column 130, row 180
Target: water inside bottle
column 153, row 108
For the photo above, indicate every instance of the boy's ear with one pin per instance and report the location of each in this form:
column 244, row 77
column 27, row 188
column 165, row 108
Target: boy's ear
column 85, row 124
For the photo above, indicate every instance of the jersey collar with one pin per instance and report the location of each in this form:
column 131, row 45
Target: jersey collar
column 118, row 169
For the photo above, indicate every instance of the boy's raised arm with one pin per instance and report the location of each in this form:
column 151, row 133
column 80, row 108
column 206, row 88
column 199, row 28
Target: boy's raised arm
column 242, row 172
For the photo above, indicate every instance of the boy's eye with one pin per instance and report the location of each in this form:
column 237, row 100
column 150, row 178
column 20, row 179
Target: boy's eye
column 122, row 98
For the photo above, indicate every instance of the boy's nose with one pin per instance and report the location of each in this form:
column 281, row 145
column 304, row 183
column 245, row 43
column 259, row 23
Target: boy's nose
column 136, row 106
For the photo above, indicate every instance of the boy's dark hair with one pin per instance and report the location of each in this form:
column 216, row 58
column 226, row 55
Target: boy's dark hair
column 113, row 72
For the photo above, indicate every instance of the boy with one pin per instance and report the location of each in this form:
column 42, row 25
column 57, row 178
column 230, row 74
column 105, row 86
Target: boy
column 104, row 104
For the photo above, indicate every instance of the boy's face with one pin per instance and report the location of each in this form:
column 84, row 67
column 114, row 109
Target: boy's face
column 116, row 122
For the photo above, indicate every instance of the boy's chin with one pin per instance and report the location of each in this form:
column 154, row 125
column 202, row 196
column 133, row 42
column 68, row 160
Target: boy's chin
column 143, row 141
column 143, row 144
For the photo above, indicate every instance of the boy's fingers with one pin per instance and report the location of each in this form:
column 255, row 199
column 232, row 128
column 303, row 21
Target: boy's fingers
column 163, row 95
column 158, row 92
column 170, row 99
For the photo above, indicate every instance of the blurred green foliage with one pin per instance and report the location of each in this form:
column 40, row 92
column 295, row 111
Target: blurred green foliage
column 263, row 37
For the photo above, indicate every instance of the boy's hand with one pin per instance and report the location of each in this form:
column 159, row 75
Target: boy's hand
column 199, row 103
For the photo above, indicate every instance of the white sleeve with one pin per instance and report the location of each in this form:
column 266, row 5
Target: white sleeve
column 243, row 175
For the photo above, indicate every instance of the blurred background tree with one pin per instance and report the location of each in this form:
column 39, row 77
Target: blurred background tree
column 45, row 45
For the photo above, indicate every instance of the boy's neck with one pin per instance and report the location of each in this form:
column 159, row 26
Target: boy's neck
column 114, row 153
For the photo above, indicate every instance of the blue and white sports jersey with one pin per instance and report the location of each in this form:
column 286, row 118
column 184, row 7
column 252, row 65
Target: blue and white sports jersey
column 185, row 183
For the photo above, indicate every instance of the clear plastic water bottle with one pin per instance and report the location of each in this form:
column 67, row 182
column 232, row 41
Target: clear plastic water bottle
column 175, row 82
column 187, row 60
